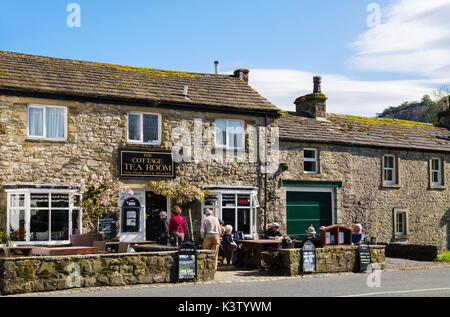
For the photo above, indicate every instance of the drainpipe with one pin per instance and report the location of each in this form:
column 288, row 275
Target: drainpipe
column 265, row 175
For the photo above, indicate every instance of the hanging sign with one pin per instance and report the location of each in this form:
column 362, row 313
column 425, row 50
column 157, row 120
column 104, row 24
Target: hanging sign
column 364, row 257
column 308, row 257
column 187, row 262
column 146, row 164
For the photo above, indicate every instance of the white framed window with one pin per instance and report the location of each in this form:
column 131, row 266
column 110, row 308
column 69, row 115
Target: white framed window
column 230, row 134
column 144, row 128
column 401, row 226
column 42, row 216
column 235, row 208
column 310, row 161
column 436, row 171
column 389, row 169
column 47, row 122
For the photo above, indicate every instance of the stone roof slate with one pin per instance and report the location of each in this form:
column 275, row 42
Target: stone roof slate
column 47, row 75
column 362, row 131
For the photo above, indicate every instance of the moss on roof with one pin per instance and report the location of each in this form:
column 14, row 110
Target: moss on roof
column 152, row 72
column 367, row 121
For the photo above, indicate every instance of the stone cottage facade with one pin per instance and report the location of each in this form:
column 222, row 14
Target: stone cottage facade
column 61, row 119
column 389, row 175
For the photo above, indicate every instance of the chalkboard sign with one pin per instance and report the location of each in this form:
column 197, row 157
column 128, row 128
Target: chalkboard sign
column 309, row 257
column 364, row 257
column 187, row 262
column 107, row 225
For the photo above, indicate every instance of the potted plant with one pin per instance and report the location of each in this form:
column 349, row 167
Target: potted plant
column 4, row 239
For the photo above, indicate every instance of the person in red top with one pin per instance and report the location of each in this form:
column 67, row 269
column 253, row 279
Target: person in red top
column 177, row 226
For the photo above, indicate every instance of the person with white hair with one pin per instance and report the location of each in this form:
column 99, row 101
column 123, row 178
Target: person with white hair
column 228, row 243
column 357, row 236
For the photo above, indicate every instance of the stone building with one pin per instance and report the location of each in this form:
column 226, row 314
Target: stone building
column 61, row 119
column 389, row 175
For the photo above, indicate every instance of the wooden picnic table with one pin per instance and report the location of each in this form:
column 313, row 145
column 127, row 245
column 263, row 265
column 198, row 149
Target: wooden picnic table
column 64, row 251
column 253, row 248
column 153, row 247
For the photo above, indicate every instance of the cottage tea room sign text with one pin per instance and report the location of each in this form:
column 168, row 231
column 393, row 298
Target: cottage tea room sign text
column 146, row 164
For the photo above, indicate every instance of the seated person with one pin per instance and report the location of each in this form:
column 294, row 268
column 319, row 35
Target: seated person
column 273, row 233
column 228, row 243
column 311, row 236
column 357, row 236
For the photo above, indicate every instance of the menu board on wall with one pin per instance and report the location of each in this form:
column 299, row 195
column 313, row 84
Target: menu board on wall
column 107, row 225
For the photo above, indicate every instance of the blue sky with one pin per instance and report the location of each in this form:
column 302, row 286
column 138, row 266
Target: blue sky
column 284, row 43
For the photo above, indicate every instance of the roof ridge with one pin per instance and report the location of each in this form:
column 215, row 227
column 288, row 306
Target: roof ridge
column 118, row 66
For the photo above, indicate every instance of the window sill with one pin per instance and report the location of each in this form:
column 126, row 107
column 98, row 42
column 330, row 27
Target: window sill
column 395, row 186
column 143, row 144
column 43, row 140
column 437, row 187
column 399, row 237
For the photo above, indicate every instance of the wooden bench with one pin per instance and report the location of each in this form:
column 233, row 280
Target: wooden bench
column 85, row 240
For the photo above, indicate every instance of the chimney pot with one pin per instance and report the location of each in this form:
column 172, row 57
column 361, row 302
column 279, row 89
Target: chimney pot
column 216, row 68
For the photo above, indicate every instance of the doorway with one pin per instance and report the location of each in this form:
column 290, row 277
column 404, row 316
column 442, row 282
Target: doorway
column 154, row 204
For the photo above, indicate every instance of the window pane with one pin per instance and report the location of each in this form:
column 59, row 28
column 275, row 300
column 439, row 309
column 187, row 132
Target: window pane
column 400, row 225
column 388, row 176
column 36, row 121
column 134, row 127
column 17, row 225
column 436, row 165
column 310, row 166
column 39, row 225
column 60, row 225
column 39, row 201
column 436, row 177
column 210, row 200
column 75, row 221
column 228, row 200
column 244, row 220
column 244, row 200
column 55, row 120
column 228, row 217
column 310, row 154
column 60, row 201
column 221, row 128
column 389, row 162
column 235, row 133
column 150, row 128
column 17, row 201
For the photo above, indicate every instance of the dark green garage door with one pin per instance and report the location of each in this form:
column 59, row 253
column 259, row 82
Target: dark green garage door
column 305, row 209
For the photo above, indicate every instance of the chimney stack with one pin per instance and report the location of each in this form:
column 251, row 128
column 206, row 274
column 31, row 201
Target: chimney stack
column 444, row 115
column 313, row 105
column 216, row 67
column 242, row 74
column 445, row 105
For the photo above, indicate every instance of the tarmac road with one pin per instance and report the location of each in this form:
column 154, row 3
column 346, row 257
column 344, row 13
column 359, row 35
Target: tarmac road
column 417, row 283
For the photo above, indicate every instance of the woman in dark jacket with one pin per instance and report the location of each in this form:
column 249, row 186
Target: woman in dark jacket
column 163, row 235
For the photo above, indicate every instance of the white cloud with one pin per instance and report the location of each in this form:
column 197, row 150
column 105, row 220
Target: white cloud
column 345, row 95
column 414, row 38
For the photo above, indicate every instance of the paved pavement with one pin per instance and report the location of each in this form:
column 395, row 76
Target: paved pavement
column 401, row 278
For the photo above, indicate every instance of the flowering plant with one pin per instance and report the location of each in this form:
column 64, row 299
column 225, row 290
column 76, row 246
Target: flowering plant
column 182, row 194
column 17, row 235
column 100, row 194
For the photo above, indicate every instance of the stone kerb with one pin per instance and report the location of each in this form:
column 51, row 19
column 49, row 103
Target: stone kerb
column 37, row 274
column 328, row 260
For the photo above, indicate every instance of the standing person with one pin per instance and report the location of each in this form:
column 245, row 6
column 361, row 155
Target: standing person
column 210, row 231
column 357, row 236
column 163, row 232
column 177, row 226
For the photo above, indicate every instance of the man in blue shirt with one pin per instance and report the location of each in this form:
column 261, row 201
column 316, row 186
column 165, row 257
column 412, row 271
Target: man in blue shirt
column 357, row 236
